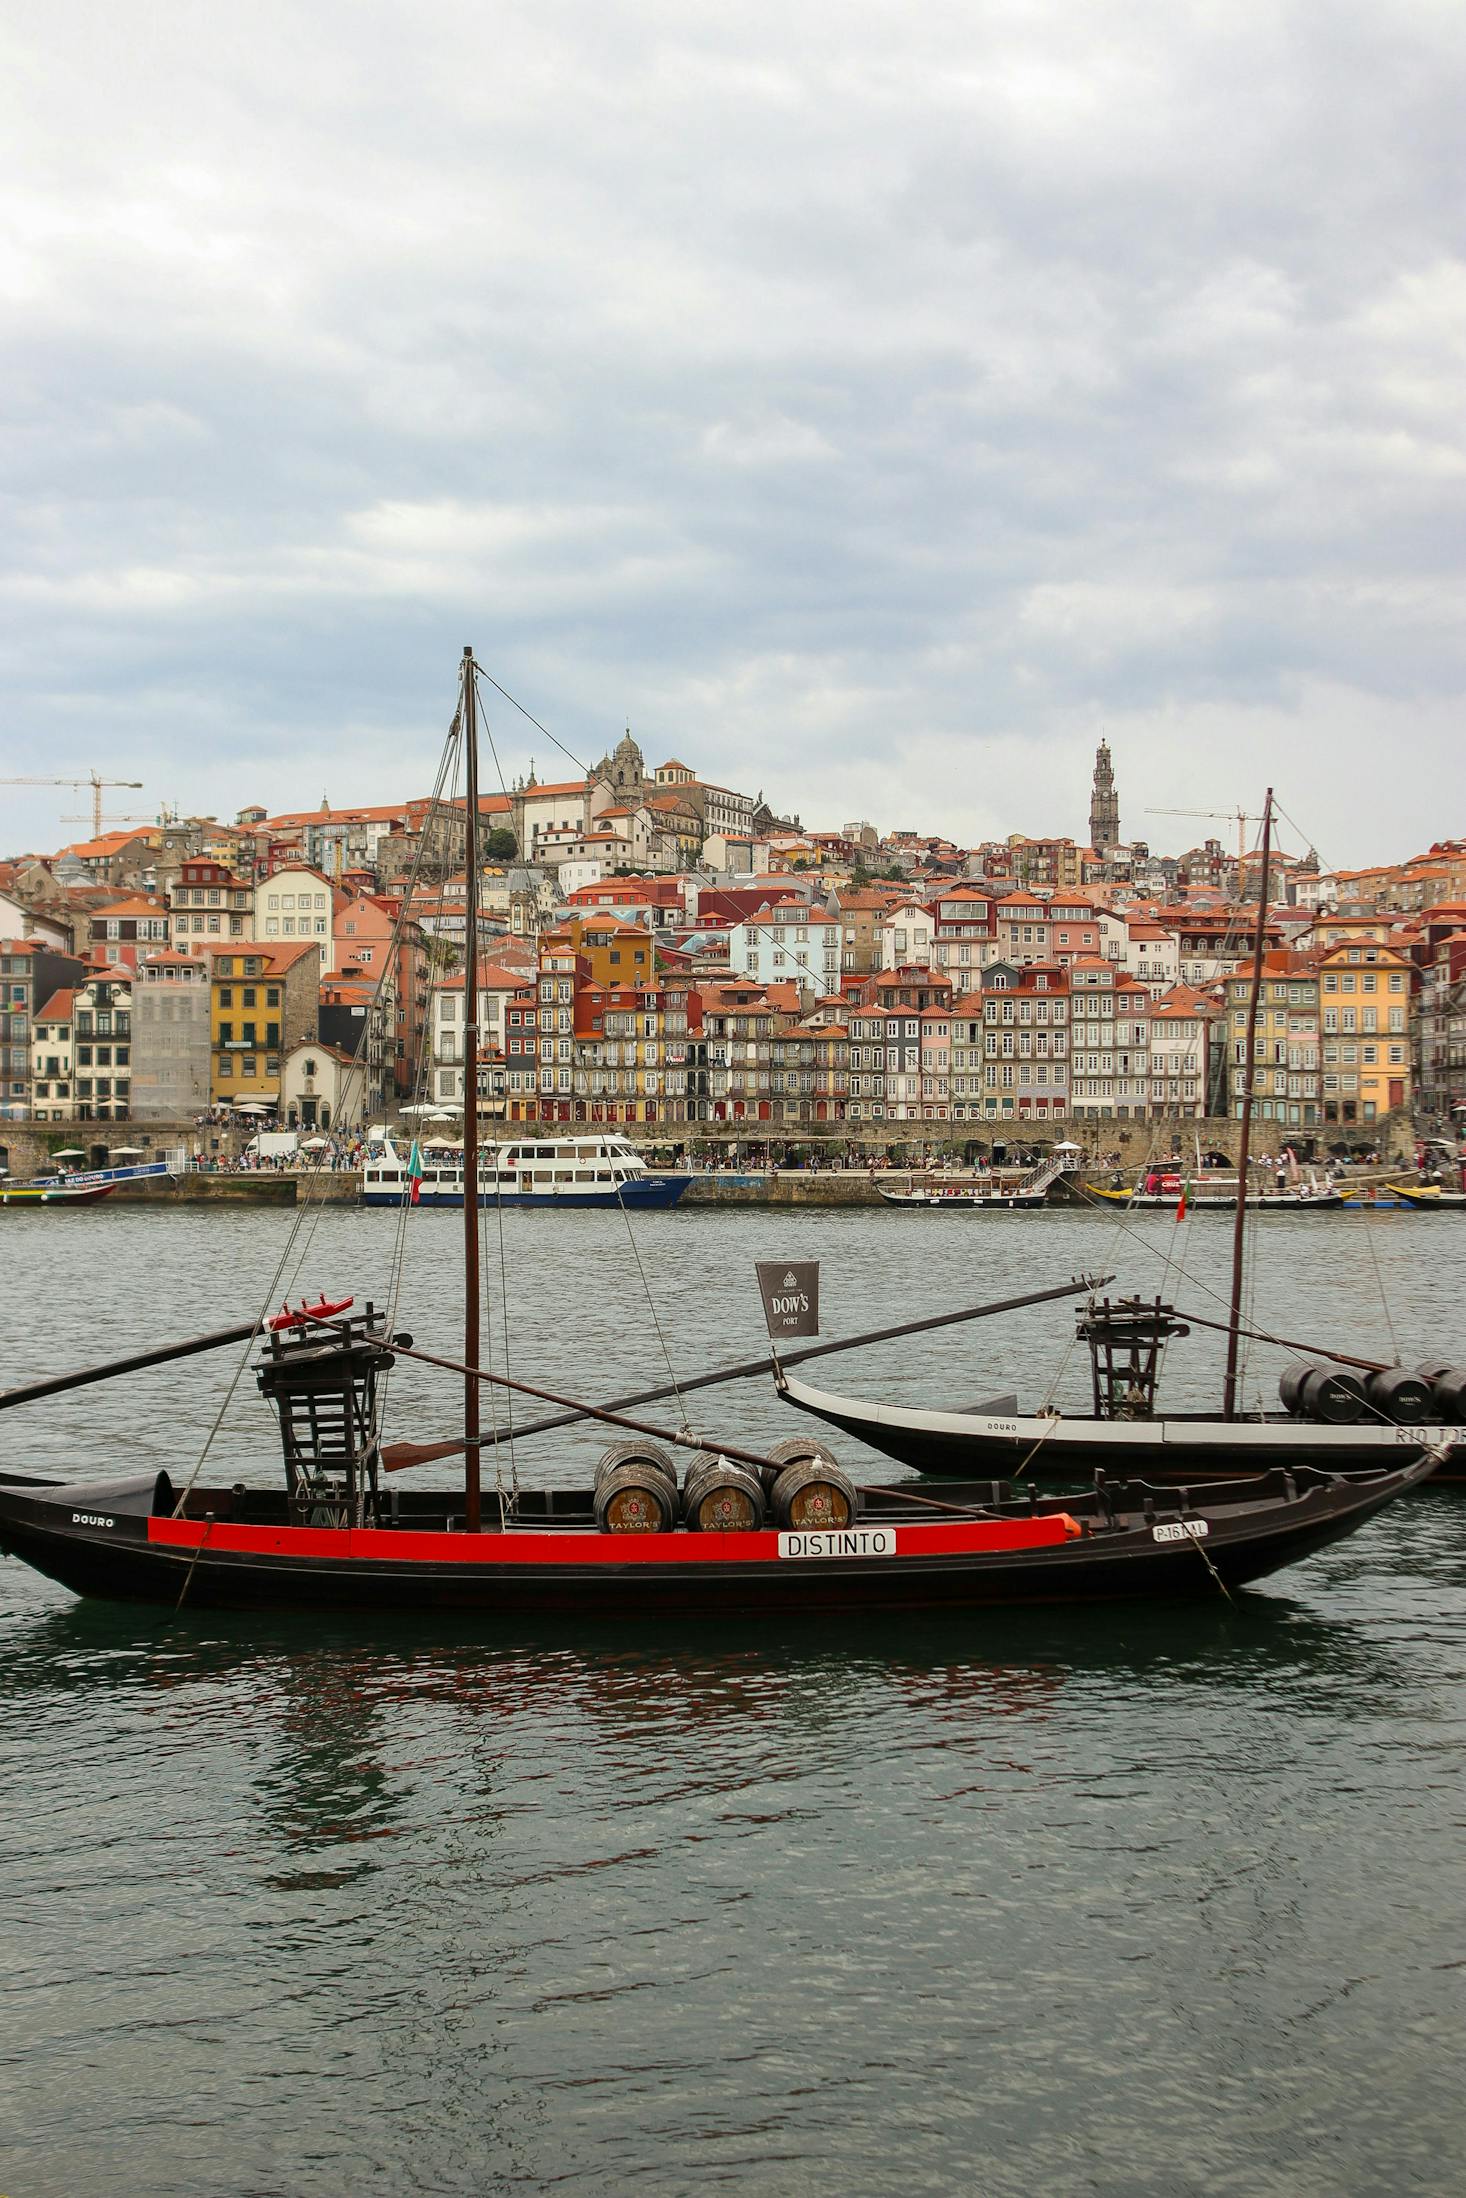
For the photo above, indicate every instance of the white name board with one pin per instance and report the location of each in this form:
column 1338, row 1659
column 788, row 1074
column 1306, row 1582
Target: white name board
column 841, row 1541
column 1183, row 1530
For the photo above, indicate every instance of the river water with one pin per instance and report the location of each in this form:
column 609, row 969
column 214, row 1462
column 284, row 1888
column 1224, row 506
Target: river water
column 1128, row 1901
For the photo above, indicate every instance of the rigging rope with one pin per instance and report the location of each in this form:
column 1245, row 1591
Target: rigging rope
column 576, row 1045
column 306, row 1220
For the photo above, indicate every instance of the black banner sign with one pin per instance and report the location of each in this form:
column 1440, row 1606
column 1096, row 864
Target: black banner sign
column 791, row 1293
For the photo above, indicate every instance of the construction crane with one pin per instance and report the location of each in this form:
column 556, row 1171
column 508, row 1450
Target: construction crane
column 1240, row 817
column 96, row 784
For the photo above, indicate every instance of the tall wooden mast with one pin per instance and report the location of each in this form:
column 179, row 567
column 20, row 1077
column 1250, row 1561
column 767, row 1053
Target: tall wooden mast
column 1244, row 1137
column 471, row 1322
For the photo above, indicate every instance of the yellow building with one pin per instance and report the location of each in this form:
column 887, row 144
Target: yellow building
column 1364, row 1001
column 264, row 1000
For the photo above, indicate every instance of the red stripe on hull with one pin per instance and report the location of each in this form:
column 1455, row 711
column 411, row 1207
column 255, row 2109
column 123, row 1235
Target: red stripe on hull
column 570, row 1547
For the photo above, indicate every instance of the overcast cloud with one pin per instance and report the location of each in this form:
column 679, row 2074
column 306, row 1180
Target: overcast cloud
column 872, row 405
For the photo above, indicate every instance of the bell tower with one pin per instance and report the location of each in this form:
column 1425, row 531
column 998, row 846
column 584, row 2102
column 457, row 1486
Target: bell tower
column 1104, row 802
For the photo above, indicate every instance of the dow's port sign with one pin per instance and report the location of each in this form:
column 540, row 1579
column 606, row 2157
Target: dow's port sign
column 791, row 1293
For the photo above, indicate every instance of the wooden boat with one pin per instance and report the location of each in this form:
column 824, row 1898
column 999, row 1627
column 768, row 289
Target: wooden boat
column 1331, row 1418
column 1172, row 1448
column 956, row 1198
column 229, row 1549
column 743, row 1531
column 55, row 1191
column 1427, row 1197
column 79, row 1187
column 1200, row 1198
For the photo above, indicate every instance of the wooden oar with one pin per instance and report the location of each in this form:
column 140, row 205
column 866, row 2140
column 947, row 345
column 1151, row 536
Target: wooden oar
column 585, row 1411
column 1286, row 1343
column 55, row 1383
column 397, row 1456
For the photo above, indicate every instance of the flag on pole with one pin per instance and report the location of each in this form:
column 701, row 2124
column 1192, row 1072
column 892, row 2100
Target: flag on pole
column 414, row 1173
column 1181, row 1202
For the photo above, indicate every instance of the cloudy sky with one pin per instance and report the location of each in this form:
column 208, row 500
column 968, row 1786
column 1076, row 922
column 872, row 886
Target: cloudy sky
column 875, row 405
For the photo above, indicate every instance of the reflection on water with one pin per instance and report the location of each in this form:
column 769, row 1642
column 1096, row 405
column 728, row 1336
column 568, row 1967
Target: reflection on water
column 1002, row 1902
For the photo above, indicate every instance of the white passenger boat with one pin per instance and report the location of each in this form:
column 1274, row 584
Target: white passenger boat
column 599, row 1170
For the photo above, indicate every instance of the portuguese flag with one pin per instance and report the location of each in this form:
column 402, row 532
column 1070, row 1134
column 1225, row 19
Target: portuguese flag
column 414, row 1173
column 1181, row 1202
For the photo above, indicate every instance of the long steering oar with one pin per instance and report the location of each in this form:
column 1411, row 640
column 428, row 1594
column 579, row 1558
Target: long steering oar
column 399, row 1455
column 160, row 1356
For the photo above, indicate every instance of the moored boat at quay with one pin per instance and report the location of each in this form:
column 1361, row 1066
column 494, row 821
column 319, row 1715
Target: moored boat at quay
column 79, row 1187
column 603, row 1169
column 1428, row 1197
column 1210, row 1194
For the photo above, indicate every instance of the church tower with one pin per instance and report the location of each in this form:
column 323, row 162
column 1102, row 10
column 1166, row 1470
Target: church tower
column 1104, row 803
column 624, row 770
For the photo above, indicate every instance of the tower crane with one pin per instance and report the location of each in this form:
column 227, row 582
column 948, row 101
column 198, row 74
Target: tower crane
column 96, row 784
column 1240, row 817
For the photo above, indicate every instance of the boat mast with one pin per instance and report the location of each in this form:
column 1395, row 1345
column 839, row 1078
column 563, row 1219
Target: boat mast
column 1244, row 1137
column 471, row 1495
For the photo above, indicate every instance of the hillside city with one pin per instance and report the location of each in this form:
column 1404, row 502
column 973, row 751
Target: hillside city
column 659, row 951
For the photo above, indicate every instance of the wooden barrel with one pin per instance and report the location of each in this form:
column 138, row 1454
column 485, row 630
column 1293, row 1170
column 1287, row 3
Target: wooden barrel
column 636, row 1453
column 1401, row 1396
column 813, row 1495
column 1435, row 1369
column 635, row 1498
column 1333, row 1396
column 1290, row 1383
column 794, row 1450
column 1450, row 1396
column 723, row 1499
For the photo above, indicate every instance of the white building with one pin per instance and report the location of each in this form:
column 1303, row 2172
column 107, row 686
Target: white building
column 320, row 1088
column 81, row 1051
column 908, row 936
column 295, row 903
column 497, row 987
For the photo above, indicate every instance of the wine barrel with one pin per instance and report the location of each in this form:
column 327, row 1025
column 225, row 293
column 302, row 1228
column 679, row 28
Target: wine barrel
column 794, row 1450
column 635, row 1498
column 1333, row 1396
column 723, row 1499
column 1290, row 1383
column 812, row 1495
column 1435, row 1369
column 1450, row 1396
column 636, row 1453
column 1401, row 1396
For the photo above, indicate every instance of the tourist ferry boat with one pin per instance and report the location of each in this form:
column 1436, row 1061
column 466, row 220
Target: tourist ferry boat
column 599, row 1170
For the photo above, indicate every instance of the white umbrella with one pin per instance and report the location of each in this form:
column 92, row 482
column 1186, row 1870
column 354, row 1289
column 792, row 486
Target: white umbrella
column 251, row 1106
column 68, row 1152
column 314, row 1144
column 125, row 1152
column 1068, row 1145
